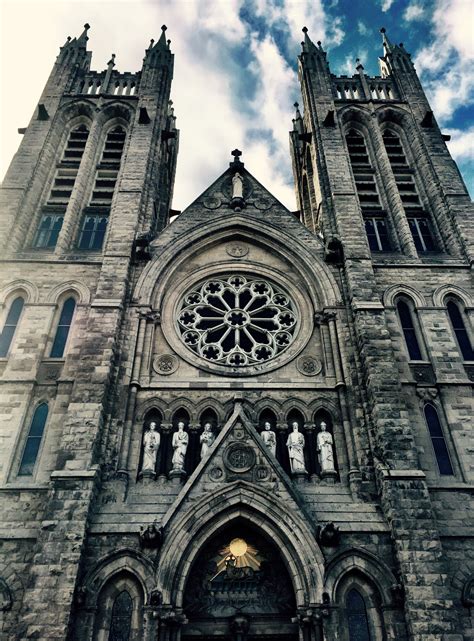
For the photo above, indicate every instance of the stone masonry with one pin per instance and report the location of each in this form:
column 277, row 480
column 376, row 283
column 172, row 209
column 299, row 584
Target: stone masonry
column 355, row 311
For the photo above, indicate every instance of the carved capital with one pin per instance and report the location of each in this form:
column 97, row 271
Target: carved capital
column 427, row 393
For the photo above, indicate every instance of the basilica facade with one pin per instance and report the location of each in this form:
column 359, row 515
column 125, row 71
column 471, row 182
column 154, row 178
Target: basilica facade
column 235, row 422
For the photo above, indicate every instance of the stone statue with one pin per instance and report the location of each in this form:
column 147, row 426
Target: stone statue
column 207, row 439
column 269, row 437
column 324, row 444
column 237, row 186
column 180, row 445
column 151, row 445
column 295, row 445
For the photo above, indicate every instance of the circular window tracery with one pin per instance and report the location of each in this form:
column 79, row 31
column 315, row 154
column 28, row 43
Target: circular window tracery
column 236, row 320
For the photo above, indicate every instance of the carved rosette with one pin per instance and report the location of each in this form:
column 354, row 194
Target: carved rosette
column 165, row 364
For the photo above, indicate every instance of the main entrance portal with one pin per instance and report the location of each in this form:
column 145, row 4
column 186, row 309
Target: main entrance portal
column 239, row 589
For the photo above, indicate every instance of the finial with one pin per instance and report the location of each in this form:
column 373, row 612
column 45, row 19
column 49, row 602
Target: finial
column 386, row 42
column 111, row 62
column 319, row 43
column 304, row 29
column 69, row 39
column 295, row 105
column 83, row 38
column 152, row 42
column 236, row 153
column 164, row 27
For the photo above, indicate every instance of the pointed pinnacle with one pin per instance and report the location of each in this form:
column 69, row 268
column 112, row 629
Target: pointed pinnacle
column 162, row 44
column 83, row 38
column 386, row 42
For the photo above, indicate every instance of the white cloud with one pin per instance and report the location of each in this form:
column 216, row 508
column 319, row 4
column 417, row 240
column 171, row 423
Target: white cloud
column 386, row 4
column 362, row 28
column 461, row 144
column 414, row 12
column 446, row 65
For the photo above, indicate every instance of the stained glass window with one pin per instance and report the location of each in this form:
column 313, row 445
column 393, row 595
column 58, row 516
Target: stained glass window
column 409, row 332
column 33, row 441
column 438, row 440
column 62, row 331
column 460, row 331
column 121, row 620
column 10, row 325
column 236, row 320
column 357, row 617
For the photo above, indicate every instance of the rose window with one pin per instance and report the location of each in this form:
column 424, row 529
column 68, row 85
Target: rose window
column 237, row 320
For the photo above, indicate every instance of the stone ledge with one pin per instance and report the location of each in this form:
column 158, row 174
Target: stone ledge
column 72, row 474
column 398, row 475
column 18, row 534
column 367, row 305
column 105, row 302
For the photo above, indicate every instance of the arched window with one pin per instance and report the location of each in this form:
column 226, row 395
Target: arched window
column 376, row 226
column 438, row 440
column 409, row 331
column 418, row 220
column 460, row 330
column 357, row 620
column 10, row 326
column 64, row 181
column 119, row 611
column 95, row 222
column 62, row 331
column 121, row 620
column 33, row 441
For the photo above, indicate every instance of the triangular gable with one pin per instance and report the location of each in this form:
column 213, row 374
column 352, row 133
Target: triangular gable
column 237, row 454
column 219, row 193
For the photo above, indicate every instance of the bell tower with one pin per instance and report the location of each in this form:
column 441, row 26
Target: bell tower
column 375, row 180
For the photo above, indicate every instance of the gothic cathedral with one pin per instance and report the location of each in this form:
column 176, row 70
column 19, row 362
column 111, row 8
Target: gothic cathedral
column 235, row 423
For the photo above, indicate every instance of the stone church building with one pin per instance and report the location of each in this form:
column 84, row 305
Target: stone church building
column 237, row 422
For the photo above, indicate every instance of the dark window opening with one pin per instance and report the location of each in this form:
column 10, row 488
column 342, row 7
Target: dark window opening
column 48, row 231
column 33, row 441
column 460, row 331
column 422, row 235
column 438, row 441
column 121, row 620
column 409, row 332
column 357, row 621
column 377, row 233
column 10, row 326
column 63, row 328
column 93, row 232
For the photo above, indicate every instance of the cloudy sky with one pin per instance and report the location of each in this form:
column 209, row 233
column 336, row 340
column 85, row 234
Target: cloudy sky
column 235, row 68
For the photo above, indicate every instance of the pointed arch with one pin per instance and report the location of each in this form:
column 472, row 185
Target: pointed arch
column 259, row 507
column 152, row 284
column 392, row 292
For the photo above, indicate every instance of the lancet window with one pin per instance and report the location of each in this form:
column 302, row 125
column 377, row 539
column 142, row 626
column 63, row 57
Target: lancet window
column 53, row 215
column 460, row 330
column 376, row 224
column 63, row 328
column 410, row 330
column 96, row 217
column 11, row 323
column 438, row 441
column 418, row 220
column 33, row 441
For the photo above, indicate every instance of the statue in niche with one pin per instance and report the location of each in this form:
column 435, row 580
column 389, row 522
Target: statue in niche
column 207, row 439
column 324, row 443
column 295, row 445
column 237, row 186
column 269, row 437
column 180, row 445
column 151, row 445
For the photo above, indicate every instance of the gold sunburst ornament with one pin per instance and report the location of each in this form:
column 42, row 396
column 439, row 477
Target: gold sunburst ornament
column 238, row 554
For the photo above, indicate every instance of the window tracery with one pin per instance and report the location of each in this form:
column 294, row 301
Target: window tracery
column 236, row 320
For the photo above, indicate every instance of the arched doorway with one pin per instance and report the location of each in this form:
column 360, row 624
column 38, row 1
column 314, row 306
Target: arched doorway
column 239, row 589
